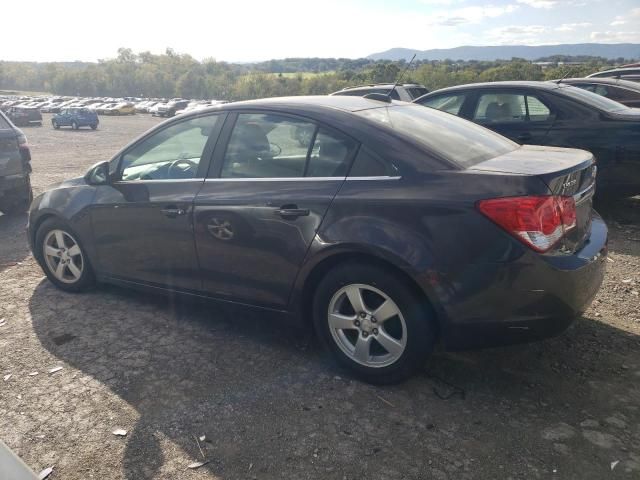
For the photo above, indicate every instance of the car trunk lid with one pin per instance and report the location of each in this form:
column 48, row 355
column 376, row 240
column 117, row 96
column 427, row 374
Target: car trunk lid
column 566, row 173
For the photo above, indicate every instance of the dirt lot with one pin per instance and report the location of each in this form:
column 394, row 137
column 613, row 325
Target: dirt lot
column 273, row 408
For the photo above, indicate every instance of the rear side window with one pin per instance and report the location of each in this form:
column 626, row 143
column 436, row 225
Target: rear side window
column 617, row 93
column 416, row 92
column 459, row 141
column 330, row 155
column 368, row 164
column 446, row 103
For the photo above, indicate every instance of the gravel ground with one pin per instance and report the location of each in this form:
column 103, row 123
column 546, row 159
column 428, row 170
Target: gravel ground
column 273, row 407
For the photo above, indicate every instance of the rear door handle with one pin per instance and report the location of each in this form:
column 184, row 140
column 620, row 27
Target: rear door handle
column 524, row 137
column 173, row 212
column 292, row 211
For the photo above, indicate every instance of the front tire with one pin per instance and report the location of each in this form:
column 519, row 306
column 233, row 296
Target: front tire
column 74, row 125
column 93, row 126
column 55, row 124
column 62, row 257
column 373, row 322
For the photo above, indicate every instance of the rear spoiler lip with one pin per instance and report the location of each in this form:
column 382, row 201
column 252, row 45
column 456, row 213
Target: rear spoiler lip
column 493, row 165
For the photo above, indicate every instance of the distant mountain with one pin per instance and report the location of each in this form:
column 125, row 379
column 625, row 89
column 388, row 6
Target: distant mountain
column 507, row 52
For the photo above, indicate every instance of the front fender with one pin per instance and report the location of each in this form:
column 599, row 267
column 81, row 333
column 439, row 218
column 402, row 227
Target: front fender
column 71, row 204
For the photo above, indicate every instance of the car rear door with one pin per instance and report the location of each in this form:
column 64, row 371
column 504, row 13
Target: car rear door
column 520, row 115
column 273, row 179
column 143, row 221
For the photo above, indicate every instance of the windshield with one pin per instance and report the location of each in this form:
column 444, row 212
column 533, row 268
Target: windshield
column 452, row 138
column 592, row 99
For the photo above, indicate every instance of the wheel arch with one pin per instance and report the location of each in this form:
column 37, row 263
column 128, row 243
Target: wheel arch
column 302, row 298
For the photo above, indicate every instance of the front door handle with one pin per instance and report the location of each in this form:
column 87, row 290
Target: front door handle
column 524, row 137
column 292, row 211
column 172, row 212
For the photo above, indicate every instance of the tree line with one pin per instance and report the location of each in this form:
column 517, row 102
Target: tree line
column 173, row 74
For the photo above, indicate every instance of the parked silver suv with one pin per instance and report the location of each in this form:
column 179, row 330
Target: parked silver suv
column 407, row 92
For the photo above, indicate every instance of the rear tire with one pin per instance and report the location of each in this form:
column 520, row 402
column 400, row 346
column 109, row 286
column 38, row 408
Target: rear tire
column 383, row 350
column 74, row 125
column 75, row 274
column 94, row 126
column 55, row 124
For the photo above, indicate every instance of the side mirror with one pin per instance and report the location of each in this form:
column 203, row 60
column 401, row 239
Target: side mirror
column 98, row 174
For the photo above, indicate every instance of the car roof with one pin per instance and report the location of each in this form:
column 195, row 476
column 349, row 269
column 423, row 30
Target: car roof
column 617, row 70
column 491, row 85
column 317, row 102
column 602, row 80
column 381, row 85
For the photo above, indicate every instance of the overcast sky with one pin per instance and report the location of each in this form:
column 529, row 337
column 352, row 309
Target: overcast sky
column 252, row 30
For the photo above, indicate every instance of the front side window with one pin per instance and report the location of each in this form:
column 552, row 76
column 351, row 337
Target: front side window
column 500, row 108
column 510, row 108
column 446, row 103
column 275, row 146
column 172, row 153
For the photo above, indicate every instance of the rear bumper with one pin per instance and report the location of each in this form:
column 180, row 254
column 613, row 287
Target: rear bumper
column 10, row 183
column 536, row 297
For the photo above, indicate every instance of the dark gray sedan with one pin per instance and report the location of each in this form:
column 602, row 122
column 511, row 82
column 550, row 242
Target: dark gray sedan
column 387, row 228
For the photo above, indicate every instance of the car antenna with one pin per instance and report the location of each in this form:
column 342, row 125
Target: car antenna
column 401, row 76
column 382, row 97
column 559, row 81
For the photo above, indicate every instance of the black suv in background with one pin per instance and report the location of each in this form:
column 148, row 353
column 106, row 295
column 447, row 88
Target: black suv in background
column 407, row 92
column 15, row 167
column 24, row 116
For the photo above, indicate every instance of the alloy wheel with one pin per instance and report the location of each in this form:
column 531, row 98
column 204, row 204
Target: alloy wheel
column 367, row 325
column 63, row 256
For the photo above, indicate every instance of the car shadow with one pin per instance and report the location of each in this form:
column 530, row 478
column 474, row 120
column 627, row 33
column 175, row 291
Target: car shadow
column 272, row 405
column 14, row 247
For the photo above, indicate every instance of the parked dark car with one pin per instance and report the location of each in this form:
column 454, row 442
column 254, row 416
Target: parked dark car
column 169, row 109
column 621, row 91
column 394, row 227
column 24, row 116
column 406, row 92
column 543, row 113
column 15, row 167
column 75, row 117
column 628, row 73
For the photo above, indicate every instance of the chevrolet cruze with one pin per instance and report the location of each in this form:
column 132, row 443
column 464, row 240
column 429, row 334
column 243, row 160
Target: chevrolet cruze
column 389, row 228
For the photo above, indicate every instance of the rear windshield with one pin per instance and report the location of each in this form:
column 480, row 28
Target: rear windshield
column 452, row 138
column 592, row 99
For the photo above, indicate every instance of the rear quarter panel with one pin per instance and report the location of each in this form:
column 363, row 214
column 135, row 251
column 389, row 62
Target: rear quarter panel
column 426, row 225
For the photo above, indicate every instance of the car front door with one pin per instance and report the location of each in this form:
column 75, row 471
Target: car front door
column 519, row 115
column 63, row 118
column 272, row 181
column 143, row 221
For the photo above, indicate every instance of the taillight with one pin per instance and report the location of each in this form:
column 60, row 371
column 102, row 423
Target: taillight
column 537, row 221
column 23, row 147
